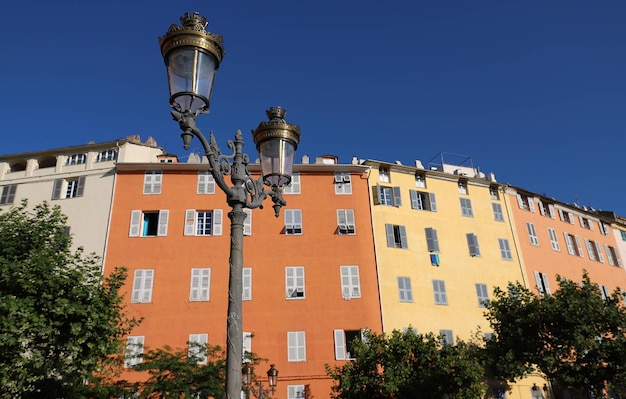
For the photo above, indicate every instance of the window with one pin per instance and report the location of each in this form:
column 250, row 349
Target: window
column 294, row 186
column 68, row 188
column 566, row 216
column 203, row 223
column 472, row 244
column 106, row 155
column 296, row 392
column 389, row 196
column 350, row 282
column 498, row 216
column 343, row 183
column 152, row 182
column 344, row 343
column 345, row 221
column 206, row 182
column 526, row 202
column 197, row 351
column 604, row 229
column 76, row 159
column 482, row 294
column 142, row 286
column 585, row 223
column 446, row 337
column 134, row 350
column 554, row 242
column 420, row 180
column 396, row 236
column 542, row 283
column 594, row 250
column 148, row 223
column 573, row 245
column 8, row 194
column 623, row 233
column 423, row 201
column 294, row 282
column 613, row 255
column 247, row 222
column 462, row 187
column 466, row 207
column 532, row 234
column 383, row 175
column 247, row 347
column 493, row 193
column 432, row 242
column 439, row 288
column 546, row 209
column 293, row 221
column 505, row 249
column 296, row 346
column 404, row 289
column 246, row 293
column 200, row 284
column 604, row 292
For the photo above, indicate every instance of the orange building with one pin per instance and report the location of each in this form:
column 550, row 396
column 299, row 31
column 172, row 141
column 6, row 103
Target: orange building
column 310, row 281
column 555, row 238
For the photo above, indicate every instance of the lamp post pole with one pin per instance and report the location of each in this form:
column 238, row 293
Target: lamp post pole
column 192, row 56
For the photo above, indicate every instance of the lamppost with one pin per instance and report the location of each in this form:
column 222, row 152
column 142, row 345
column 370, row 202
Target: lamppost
column 192, row 56
column 258, row 391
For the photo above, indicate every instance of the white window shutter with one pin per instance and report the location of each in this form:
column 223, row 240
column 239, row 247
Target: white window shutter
column 157, row 178
column 148, row 280
column 80, row 189
column 135, row 224
column 190, row 222
column 217, row 222
column 599, row 250
column 542, row 210
column 163, row 218
column 137, row 286
column 247, row 283
column 247, row 347
column 571, row 218
column 414, row 201
column 340, row 345
column 609, row 255
column 56, row 189
column 551, row 210
column 520, row 201
column 580, row 248
column 531, row 204
column 247, row 223
column 433, row 202
column 194, row 292
column 350, row 218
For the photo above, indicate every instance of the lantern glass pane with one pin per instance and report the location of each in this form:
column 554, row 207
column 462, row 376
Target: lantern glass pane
column 191, row 73
column 276, row 161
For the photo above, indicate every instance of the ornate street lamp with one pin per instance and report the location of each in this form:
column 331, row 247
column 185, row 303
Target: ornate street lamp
column 255, row 388
column 192, row 57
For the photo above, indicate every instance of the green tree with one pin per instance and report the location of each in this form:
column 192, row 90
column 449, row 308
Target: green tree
column 197, row 372
column 408, row 365
column 60, row 320
column 575, row 336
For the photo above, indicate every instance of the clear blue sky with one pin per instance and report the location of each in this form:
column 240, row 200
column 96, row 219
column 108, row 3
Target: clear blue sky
column 533, row 91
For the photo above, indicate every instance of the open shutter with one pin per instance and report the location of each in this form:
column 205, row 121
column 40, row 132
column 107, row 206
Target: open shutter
column 542, row 209
column 609, row 255
column 599, row 250
column 520, row 202
column 391, row 242
column 81, row 186
column 340, row 345
column 11, row 195
column 56, row 189
column 531, row 204
column 551, row 210
column 580, row 248
column 377, row 195
column 247, row 223
column 433, row 202
column 217, row 222
column 397, row 197
column 472, row 242
column 403, row 240
column 190, row 222
column 163, row 217
column 135, row 223
column 414, row 200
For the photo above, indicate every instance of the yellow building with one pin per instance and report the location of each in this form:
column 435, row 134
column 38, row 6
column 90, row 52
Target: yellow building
column 443, row 241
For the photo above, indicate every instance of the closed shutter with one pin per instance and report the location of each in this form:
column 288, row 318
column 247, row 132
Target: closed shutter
column 391, row 242
column 431, row 240
column 433, row 202
column 247, row 222
column 397, row 197
column 217, row 222
column 81, row 186
column 190, row 222
column 403, row 240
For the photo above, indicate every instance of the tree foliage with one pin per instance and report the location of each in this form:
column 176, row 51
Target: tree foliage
column 60, row 320
column 408, row 365
column 198, row 372
column 574, row 336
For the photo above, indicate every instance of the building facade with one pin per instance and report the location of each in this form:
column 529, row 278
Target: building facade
column 79, row 179
column 310, row 282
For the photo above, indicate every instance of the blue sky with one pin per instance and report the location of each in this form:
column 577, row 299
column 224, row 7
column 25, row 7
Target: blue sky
column 533, row 91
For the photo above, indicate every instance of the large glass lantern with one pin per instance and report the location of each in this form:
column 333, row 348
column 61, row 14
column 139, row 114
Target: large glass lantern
column 276, row 141
column 192, row 57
